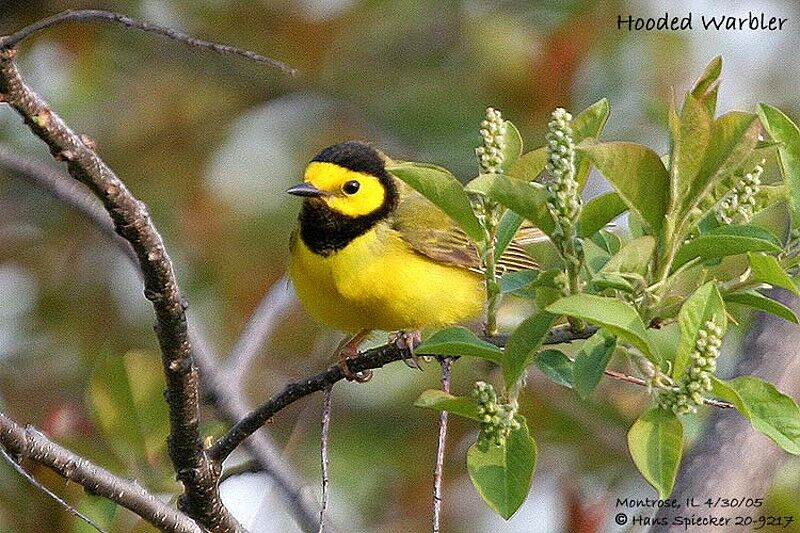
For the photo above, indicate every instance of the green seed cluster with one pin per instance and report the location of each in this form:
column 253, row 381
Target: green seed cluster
column 738, row 206
column 493, row 131
column 563, row 200
column 497, row 419
column 688, row 395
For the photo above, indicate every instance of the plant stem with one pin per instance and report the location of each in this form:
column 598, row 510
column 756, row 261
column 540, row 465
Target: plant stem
column 489, row 223
column 438, row 471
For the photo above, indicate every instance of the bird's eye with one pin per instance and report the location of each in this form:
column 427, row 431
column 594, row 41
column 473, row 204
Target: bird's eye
column 351, row 187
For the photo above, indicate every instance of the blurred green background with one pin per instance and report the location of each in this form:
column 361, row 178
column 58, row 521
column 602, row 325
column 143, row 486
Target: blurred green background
column 210, row 143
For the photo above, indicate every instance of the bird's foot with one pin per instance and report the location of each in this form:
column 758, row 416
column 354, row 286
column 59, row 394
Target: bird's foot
column 349, row 350
column 407, row 341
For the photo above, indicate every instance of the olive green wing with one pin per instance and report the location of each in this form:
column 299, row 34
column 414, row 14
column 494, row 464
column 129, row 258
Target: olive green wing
column 430, row 232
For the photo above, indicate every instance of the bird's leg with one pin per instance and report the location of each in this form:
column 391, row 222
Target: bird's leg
column 348, row 349
column 407, row 341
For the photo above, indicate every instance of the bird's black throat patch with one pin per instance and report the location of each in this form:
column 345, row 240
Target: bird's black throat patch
column 326, row 231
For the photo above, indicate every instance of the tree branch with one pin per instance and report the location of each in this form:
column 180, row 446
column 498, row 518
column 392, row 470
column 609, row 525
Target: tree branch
column 370, row 359
column 36, row 484
column 216, row 387
column 83, row 15
column 132, row 221
column 29, row 443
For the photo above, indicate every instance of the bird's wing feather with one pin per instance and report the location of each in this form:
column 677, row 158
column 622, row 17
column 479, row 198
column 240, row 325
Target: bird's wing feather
column 430, row 232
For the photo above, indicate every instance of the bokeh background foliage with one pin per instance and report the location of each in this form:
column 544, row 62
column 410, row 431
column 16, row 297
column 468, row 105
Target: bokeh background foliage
column 210, row 144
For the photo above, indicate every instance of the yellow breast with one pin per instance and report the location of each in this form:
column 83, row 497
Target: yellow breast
column 378, row 282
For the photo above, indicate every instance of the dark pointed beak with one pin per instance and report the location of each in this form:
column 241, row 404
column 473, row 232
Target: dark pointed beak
column 305, row 189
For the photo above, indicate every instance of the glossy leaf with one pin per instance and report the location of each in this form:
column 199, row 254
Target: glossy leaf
column 511, row 282
column 638, row 175
column 513, row 146
column 586, row 128
column 444, row 190
column 502, row 475
column 457, row 340
column 591, row 361
column 758, row 301
column 528, row 200
column 444, row 401
column 768, row 270
column 634, row 257
column 556, row 366
column 523, row 343
column 771, row 412
column 725, row 241
column 529, row 165
column 508, row 227
column 609, row 280
column 782, row 129
column 616, row 316
column 656, row 443
column 598, row 212
column 703, row 305
column 734, row 135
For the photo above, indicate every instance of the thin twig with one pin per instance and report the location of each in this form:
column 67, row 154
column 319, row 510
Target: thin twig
column 83, row 15
column 35, row 482
column 324, row 459
column 643, row 383
column 217, row 389
column 262, row 324
column 30, row 443
column 438, row 469
column 367, row 360
column 132, row 221
column 66, row 190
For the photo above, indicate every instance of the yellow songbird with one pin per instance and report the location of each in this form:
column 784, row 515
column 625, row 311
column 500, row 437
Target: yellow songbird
column 370, row 253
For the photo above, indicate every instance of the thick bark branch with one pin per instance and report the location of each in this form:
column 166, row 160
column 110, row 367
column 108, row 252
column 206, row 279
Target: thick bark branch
column 29, row 443
column 132, row 221
column 216, row 387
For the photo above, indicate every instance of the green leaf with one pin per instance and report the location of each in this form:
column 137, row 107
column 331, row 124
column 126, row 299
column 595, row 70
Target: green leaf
column 586, row 128
column 528, row 200
column 457, row 340
column 523, row 343
column 634, row 257
column 513, row 146
column 735, row 134
column 590, row 122
column 656, row 443
column 511, row 282
column 782, row 129
column 439, row 186
column 767, row 269
column 609, row 280
column 128, row 405
column 616, row 316
column 502, row 475
column 509, row 225
column 725, row 241
column 443, row 401
column 638, row 175
column 598, row 212
column 529, row 165
column 556, row 366
column 770, row 412
column 703, row 305
column 759, row 301
column 591, row 361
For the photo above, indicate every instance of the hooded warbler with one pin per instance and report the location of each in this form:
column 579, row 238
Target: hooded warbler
column 370, row 253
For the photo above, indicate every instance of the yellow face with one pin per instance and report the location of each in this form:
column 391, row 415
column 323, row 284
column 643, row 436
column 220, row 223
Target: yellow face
column 348, row 192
